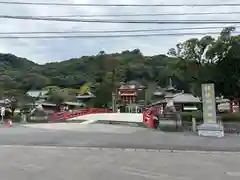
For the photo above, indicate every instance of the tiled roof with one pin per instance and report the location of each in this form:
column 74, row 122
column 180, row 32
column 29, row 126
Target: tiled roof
column 127, row 86
column 36, row 93
column 136, row 83
column 75, row 103
column 181, row 98
column 4, row 101
column 186, row 98
column 85, row 95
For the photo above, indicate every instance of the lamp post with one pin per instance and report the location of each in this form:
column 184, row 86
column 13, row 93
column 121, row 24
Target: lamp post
column 114, row 106
column 2, row 114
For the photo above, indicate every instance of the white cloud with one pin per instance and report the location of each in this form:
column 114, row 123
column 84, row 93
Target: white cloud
column 47, row 50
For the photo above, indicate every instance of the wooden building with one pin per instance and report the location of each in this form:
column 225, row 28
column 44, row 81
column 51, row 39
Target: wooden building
column 128, row 93
column 182, row 101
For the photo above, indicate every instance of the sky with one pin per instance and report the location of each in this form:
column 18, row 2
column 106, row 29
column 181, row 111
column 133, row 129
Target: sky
column 51, row 50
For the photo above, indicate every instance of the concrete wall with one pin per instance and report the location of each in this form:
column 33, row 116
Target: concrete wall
column 119, row 117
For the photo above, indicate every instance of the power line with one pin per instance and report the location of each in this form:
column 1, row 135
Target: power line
column 106, row 36
column 139, row 15
column 114, row 31
column 122, row 21
column 118, row 5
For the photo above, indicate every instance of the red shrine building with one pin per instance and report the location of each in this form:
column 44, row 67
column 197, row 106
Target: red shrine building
column 128, row 94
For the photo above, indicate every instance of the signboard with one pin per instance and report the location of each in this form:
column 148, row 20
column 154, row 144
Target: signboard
column 209, row 104
column 2, row 111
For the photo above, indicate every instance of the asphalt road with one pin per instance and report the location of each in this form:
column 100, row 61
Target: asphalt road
column 99, row 152
column 28, row 163
column 112, row 136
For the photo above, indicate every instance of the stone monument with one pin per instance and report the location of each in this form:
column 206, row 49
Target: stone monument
column 23, row 118
column 209, row 126
column 170, row 119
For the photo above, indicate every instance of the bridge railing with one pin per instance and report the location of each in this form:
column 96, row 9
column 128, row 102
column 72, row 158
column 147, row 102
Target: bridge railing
column 63, row 116
column 148, row 116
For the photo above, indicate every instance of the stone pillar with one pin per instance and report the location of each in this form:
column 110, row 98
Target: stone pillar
column 231, row 106
column 24, row 118
column 114, row 102
column 194, row 125
column 210, row 127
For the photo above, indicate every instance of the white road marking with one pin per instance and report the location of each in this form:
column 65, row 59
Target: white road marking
column 148, row 174
column 236, row 174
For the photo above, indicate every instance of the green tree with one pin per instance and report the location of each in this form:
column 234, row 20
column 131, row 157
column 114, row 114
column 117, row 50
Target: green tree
column 193, row 63
column 13, row 105
column 150, row 89
column 52, row 88
column 224, row 55
column 59, row 96
column 103, row 93
column 221, row 45
column 34, row 81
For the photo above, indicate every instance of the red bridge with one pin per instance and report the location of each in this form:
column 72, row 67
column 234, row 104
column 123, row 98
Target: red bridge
column 63, row 116
column 148, row 115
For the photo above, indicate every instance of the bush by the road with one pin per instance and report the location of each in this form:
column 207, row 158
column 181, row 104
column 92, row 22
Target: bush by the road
column 187, row 116
column 225, row 117
column 17, row 118
column 231, row 117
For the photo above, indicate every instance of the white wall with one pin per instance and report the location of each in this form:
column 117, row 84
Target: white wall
column 120, row 117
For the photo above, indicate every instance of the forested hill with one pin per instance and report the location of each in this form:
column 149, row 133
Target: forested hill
column 10, row 61
column 20, row 73
column 190, row 64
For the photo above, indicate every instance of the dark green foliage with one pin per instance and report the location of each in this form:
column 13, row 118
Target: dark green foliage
column 190, row 64
column 23, row 75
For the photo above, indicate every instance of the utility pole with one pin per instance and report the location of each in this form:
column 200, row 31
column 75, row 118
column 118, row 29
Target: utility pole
column 114, row 102
column 114, row 93
column 2, row 114
column 146, row 95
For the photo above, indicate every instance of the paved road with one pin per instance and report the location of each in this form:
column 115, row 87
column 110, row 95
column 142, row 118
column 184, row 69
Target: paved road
column 40, row 153
column 112, row 136
column 28, row 163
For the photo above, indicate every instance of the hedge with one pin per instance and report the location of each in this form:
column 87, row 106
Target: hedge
column 17, row 119
column 231, row 117
column 225, row 117
column 187, row 116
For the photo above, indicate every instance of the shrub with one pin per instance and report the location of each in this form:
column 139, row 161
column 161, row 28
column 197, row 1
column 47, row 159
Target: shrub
column 226, row 117
column 16, row 118
column 231, row 117
column 187, row 116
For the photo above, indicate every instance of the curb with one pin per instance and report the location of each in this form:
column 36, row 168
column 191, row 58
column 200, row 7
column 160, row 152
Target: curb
column 121, row 149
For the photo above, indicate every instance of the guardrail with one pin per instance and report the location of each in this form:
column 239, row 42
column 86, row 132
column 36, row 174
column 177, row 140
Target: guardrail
column 63, row 116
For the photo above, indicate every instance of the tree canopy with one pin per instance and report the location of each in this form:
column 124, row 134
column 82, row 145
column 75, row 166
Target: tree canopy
column 190, row 63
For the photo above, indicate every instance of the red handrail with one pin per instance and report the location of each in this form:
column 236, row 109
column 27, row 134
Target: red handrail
column 148, row 116
column 63, row 116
